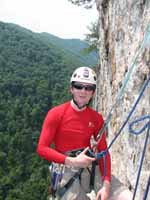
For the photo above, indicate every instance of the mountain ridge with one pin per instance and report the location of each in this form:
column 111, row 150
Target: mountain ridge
column 73, row 47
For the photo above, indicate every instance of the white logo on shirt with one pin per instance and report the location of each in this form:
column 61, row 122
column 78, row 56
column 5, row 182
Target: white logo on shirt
column 91, row 124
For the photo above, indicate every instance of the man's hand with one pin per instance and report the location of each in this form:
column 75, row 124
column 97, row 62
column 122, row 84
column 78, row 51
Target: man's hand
column 103, row 193
column 82, row 160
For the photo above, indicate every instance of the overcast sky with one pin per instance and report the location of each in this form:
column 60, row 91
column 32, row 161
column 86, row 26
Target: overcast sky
column 58, row 17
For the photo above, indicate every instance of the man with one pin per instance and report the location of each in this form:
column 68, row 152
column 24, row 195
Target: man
column 69, row 127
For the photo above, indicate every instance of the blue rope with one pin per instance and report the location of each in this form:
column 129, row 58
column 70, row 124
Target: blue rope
column 137, row 132
column 147, row 188
column 102, row 154
column 144, row 148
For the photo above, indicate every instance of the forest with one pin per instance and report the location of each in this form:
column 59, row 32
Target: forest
column 34, row 77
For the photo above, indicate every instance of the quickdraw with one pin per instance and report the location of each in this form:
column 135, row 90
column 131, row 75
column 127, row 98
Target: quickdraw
column 56, row 171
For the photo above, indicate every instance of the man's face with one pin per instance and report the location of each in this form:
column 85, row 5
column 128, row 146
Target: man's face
column 82, row 92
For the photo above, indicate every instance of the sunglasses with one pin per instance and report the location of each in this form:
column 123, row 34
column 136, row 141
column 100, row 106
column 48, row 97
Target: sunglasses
column 79, row 86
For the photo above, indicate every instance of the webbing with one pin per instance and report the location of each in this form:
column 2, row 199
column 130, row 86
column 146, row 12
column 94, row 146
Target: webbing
column 146, row 41
column 61, row 191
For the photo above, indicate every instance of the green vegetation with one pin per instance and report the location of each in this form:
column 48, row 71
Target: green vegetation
column 34, row 76
column 92, row 38
column 76, row 48
column 85, row 3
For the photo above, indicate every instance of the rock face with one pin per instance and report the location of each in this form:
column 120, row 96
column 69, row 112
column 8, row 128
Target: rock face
column 124, row 44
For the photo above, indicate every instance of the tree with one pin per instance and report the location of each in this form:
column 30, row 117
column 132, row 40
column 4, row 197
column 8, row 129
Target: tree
column 93, row 37
column 86, row 3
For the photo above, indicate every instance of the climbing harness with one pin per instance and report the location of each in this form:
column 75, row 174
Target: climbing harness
column 57, row 171
column 146, row 39
column 62, row 190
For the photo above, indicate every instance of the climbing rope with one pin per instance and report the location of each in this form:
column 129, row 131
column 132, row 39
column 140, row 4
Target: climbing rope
column 128, row 117
column 147, row 125
column 147, row 188
column 102, row 154
column 137, row 132
column 146, row 40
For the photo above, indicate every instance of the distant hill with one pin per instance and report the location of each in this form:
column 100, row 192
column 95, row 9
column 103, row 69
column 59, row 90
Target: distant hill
column 73, row 47
column 25, row 52
column 27, row 56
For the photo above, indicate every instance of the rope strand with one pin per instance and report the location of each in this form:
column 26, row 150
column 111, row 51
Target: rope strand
column 141, row 162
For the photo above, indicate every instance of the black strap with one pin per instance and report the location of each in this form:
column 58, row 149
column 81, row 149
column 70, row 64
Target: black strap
column 61, row 191
column 92, row 177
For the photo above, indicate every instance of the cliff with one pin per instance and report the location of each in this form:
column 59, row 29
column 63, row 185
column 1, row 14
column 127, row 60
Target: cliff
column 124, row 66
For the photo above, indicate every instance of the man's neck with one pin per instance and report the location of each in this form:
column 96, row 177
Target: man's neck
column 76, row 108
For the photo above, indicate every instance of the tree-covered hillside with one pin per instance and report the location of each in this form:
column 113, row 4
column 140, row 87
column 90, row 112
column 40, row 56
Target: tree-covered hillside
column 74, row 47
column 34, row 76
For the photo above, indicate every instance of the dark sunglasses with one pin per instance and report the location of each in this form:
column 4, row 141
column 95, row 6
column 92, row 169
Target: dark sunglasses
column 79, row 86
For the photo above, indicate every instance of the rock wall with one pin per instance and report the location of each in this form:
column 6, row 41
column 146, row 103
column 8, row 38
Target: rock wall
column 122, row 28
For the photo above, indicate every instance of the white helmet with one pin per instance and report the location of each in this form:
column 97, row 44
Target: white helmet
column 84, row 75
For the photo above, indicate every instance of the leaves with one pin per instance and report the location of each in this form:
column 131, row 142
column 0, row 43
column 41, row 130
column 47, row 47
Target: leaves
column 87, row 3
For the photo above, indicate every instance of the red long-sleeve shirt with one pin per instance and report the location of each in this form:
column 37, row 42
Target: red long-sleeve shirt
column 69, row 129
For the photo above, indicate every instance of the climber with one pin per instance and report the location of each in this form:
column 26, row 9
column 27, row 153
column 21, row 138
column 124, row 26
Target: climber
column 70, row 127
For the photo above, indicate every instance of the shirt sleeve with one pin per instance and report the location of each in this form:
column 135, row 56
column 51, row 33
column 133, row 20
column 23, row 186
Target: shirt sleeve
column 49, row 130
column 104, row 161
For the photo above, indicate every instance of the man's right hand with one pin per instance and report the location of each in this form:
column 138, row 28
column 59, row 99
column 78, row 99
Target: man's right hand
column 82, row 160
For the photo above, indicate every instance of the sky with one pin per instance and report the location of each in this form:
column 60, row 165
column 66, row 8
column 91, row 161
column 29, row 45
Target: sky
column 58, row 17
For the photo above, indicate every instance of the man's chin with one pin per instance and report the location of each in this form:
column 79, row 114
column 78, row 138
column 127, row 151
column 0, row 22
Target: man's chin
column 82, row 104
